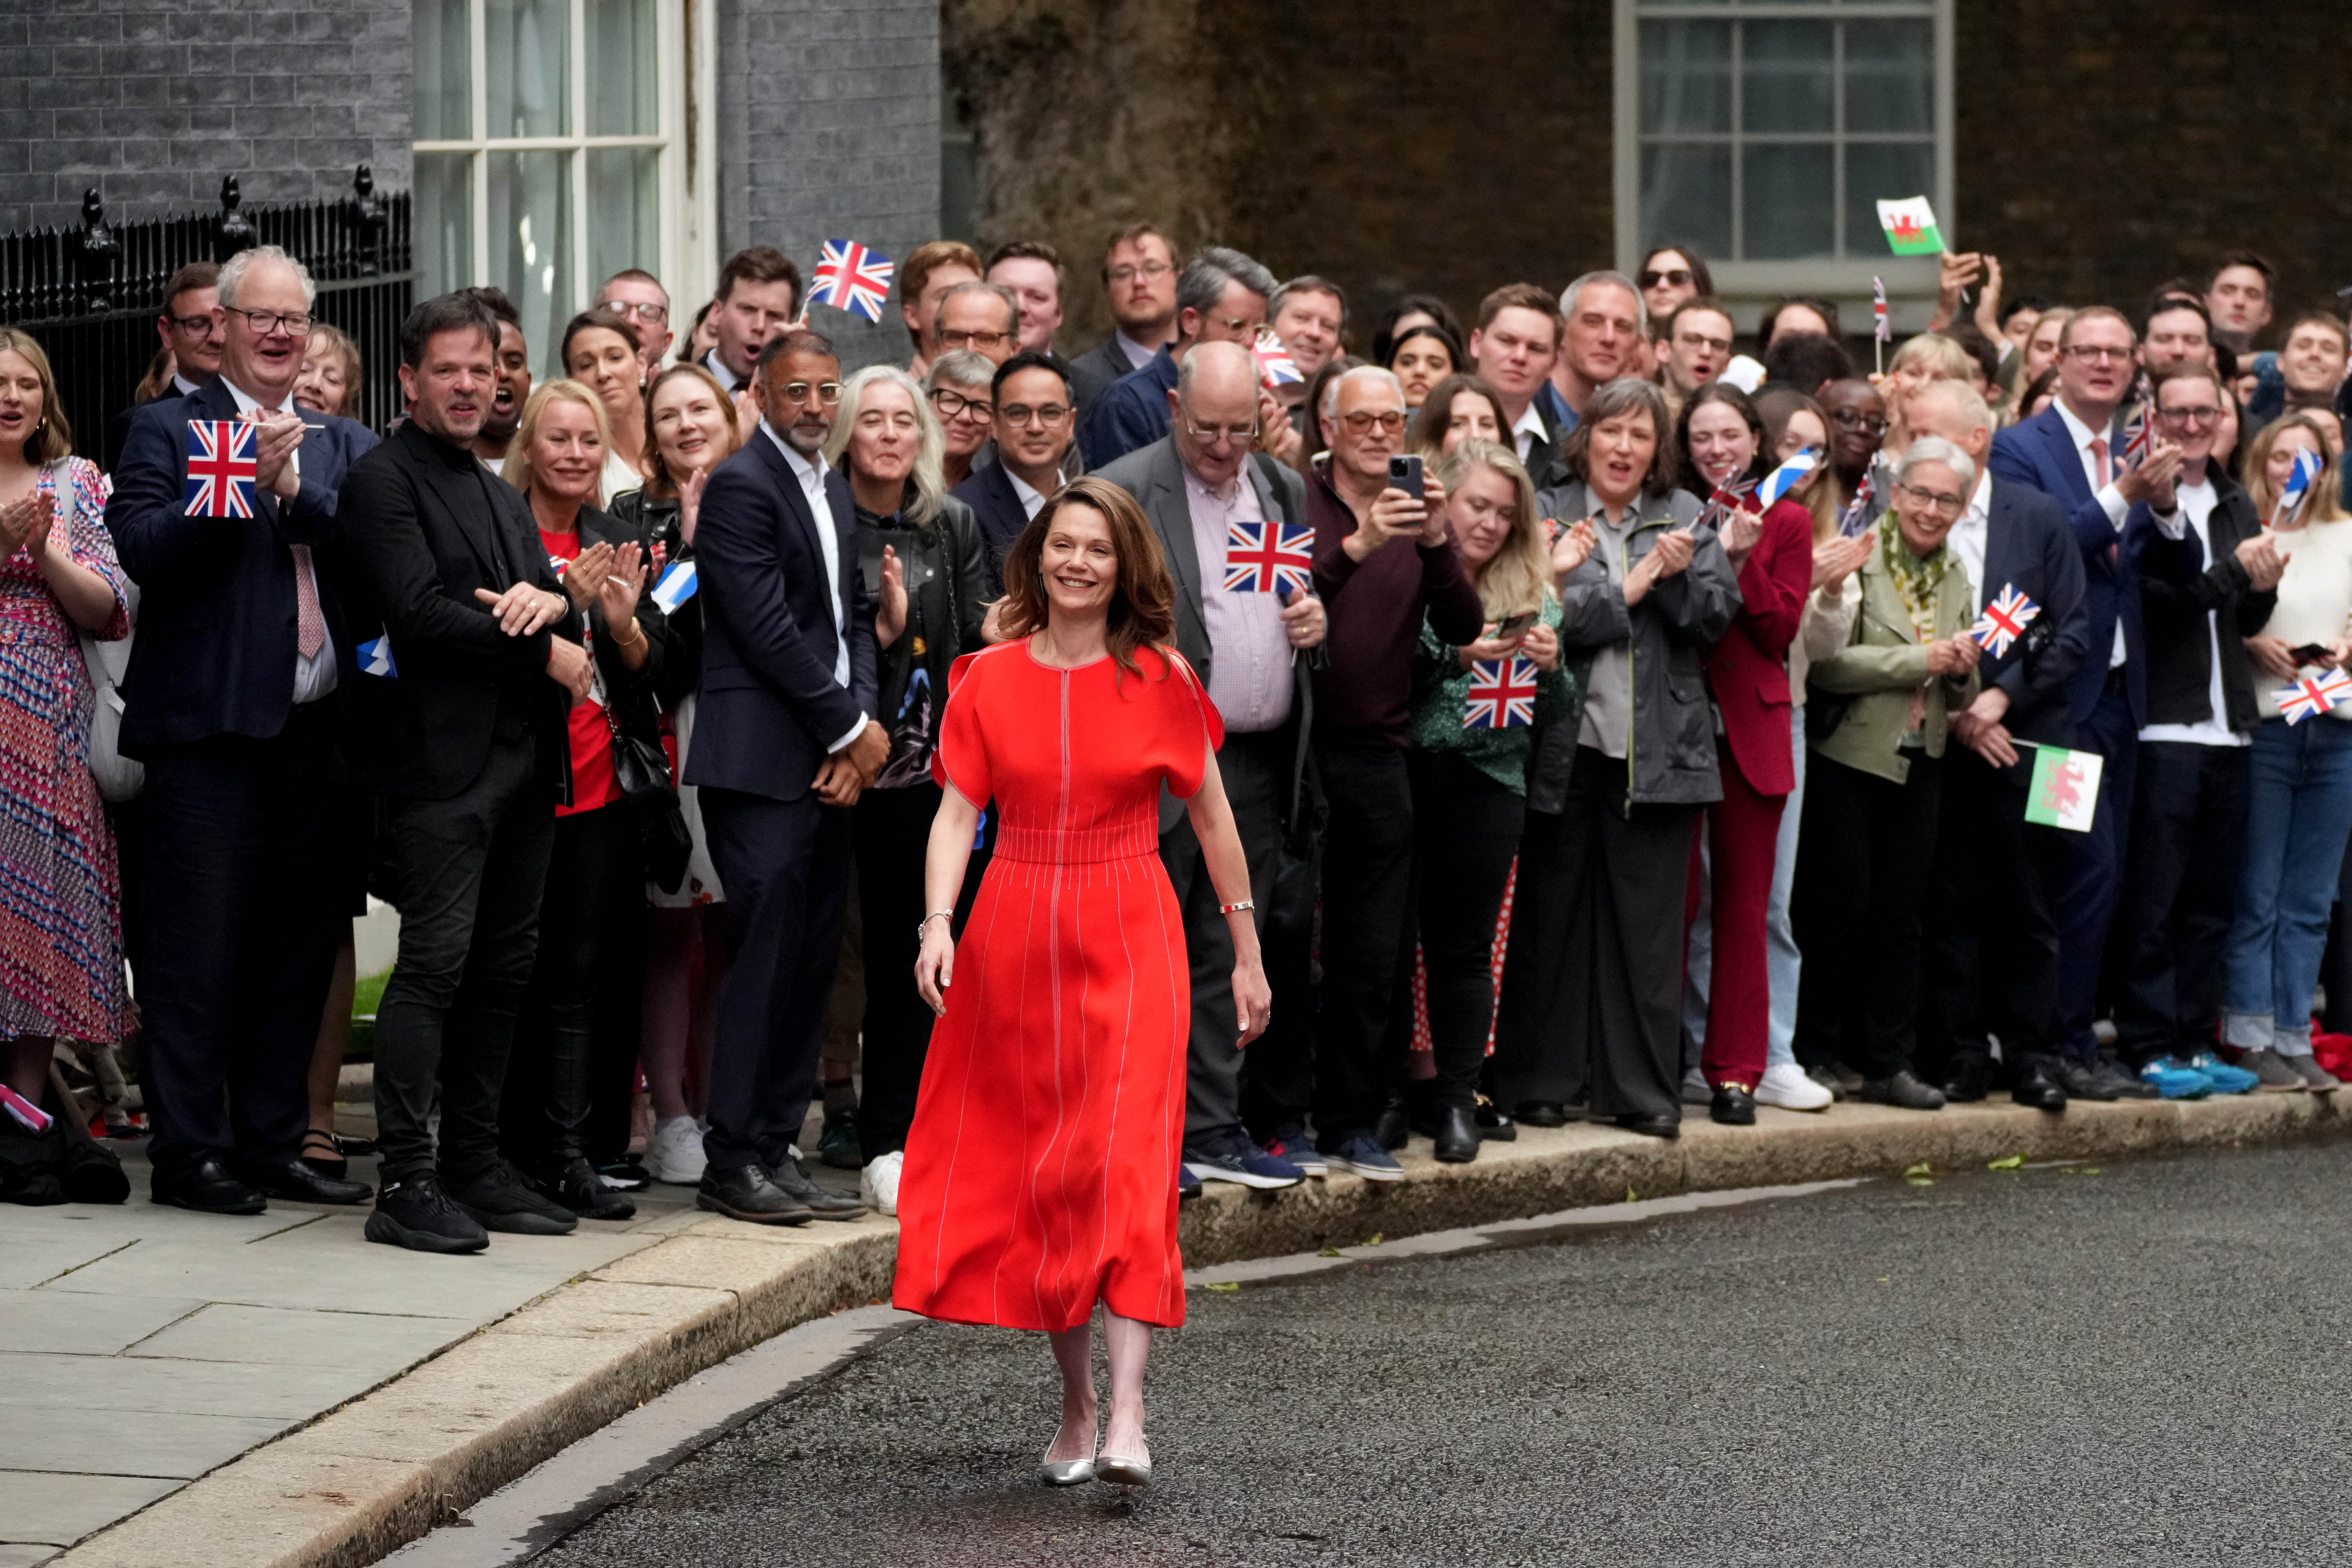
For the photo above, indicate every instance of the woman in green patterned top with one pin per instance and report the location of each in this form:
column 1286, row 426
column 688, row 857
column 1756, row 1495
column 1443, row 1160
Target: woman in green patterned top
column 1468, row 768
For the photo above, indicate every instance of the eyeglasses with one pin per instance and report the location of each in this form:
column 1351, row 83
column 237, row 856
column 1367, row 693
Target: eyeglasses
column 1677, row 276
column 1241, row 328
column 951, row 403
column 2206, row 415
column 1051, row 414
column 1151, row 271
column 1944, row 505
column 827, row 392
column 1215, row 433
column 1700, row 341
column 2096, row 351
column 1847, row 419
column 974, row 340
column 1361, row 420
column 651, row 315
column 265, row 323
column 199, row 325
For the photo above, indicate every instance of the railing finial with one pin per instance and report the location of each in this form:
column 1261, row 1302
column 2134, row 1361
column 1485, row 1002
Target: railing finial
column 96, row 249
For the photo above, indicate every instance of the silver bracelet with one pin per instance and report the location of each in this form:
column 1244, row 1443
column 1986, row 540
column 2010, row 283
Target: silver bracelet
column 923, row 926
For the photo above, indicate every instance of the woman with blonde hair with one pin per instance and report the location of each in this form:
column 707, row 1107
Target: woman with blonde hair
column 2270, row 468
column 1931, row 356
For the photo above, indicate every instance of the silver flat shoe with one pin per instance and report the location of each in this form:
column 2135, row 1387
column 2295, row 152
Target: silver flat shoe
column 1123, row 1472
column 1067, row 1472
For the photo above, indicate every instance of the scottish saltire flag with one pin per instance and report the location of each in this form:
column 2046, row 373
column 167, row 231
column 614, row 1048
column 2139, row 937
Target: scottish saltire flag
column 853, row 277
column 1261, row 557
column 1502, row 694
column 2004, row 620
column 2298, row 486
column 1882, row 326
column 1275, row 366
column 222, row 468
column 2137, row 431
column 676, row 586
column 376, row 658
column 1787, row 476
column 2313, row 695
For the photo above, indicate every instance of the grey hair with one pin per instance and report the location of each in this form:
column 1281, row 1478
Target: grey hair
column 931, row 445
column 1959, row 397
column 1936, row 449
column 1568, row 296
column 1205, row 353
column 1307, row 284
column 1202, row 282
column 232, row 272
column 1012, row 305
column 961, row 367
column 1379, row 372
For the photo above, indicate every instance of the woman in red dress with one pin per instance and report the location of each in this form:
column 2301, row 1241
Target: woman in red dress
column 1039, row 1173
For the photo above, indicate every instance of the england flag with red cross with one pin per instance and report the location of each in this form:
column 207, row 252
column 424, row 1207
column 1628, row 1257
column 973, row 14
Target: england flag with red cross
column 853, row 277
column 1502, row 694
column 1261, row 557
column 2004, row 621
column 222, row 468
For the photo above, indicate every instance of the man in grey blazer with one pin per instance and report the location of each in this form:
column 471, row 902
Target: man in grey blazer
column 1249, row 648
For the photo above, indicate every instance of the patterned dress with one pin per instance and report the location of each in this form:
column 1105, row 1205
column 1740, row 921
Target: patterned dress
column 61, row 900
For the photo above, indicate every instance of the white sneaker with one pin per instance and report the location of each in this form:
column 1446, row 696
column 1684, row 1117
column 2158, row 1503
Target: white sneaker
column 878, row 1184
column 674, row 1153
column 1787, row 1086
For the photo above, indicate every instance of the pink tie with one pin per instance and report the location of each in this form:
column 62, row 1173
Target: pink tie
column 2099, row 450
column 310, row 625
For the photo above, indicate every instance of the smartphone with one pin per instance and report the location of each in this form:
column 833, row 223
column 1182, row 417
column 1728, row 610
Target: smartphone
column 1404, row 474
column 2310, row 653
column 1516, row 625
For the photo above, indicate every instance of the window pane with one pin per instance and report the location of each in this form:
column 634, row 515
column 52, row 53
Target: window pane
column 1686, row 77
column 1687, row 196
column 1786, row 205
column 529, row 43
column 530, row 242
column 623, row 208
column 1890, row 81
column 444, row 222
column 444, row 86
column 1876, row 171
column 620, row 59
column 1786, row 77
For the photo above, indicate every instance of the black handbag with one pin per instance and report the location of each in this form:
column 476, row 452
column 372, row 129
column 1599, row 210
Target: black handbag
column 641, row 769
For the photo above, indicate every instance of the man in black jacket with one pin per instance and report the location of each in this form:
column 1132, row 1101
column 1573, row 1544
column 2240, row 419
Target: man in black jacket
column 469, row 658
column 2209, row 579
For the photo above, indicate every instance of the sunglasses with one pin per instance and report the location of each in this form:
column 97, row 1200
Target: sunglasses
column 1677, row 276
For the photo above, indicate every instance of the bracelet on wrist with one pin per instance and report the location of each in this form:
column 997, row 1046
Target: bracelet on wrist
column 1236, row 908
column 923, row 926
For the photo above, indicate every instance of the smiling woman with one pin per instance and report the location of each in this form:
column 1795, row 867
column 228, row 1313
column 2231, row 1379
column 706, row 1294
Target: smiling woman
column 601, row 351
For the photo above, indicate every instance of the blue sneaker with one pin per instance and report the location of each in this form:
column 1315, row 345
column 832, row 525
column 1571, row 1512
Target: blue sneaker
column 2227, row 1080
column 1188, row 1185
column 1230, row 1156
column 1361, row 1154
column 1289, row 1142
column 2174, row 1080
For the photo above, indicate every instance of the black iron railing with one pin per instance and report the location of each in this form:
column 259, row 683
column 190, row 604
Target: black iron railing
column 90, row 294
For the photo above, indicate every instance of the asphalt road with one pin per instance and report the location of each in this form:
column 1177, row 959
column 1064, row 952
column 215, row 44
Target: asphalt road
column 2143, row 1364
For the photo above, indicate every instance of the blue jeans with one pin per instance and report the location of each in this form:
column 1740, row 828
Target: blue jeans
column 2299, row 814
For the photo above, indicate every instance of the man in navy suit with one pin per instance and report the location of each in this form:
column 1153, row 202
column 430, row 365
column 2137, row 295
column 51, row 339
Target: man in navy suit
column 785, row 742
column 2072, row 452
column 230, row 701
column 1992, row 947
column 1006, row 494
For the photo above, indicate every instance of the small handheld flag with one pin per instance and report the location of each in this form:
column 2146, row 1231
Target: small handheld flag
column 1859, row 511
column 1882, row 326
column 29, row 1116
column 1910, row 226
column 2137, row 432
column 2298, row 486
column 2065, row 788
column 2313, row 695
column 1787, row 476
column 1261, row 557
column 1275, row 366
column 676, row 586
column 222, row 468
column 1726, row 499
column 2004, row 620
column 854, row 278
column 1502, row 694
column 376, row 658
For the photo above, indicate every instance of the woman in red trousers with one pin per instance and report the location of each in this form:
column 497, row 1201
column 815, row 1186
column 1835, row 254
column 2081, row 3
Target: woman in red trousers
column 1038, row 1174
column 1723, row 442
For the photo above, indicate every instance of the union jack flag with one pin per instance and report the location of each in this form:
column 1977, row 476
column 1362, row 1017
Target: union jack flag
column 2137, row 431
column 222, row 468
column 1726, row 499
column 1275, row 366
column 2004, row 620
column 1502, row 694
column 1261, row 557
column 1858, row 511
column 853, row 277
column 1882, row 325
column 2313, row 695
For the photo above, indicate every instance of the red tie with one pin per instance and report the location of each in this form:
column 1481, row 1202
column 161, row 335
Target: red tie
column 310, row 625
column 2099, row 450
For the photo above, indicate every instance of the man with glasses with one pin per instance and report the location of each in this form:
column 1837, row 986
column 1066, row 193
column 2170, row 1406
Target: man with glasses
column 1221, row 297
column 926, row 275
column 231, row 704
column 1694, row 347
column 1036, row 421
column 186, row 328
column 1197, row 484
column 1139, row 278
column 1385, row 562
column 984, row 318
column 638, row 297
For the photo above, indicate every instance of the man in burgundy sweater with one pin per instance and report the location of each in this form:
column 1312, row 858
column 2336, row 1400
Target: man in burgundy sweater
column 1383, row 559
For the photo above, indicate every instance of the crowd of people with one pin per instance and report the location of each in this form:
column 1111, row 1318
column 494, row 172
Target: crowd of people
column 1613, row 721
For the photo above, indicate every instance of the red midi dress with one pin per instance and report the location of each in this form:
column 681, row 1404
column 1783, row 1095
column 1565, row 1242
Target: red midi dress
column 1041, row 1167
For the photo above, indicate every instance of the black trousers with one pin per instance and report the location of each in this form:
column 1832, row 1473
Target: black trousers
column 785, row 867
column 468, row 873
column 2180, row 889
column 1367, row 909
column 242, row 910
column 1466, row 830
column 591, row 928
column 892, row 829
column 1257, row 773
column 1992, row 954
column 1592, row 981
column 1861, row 881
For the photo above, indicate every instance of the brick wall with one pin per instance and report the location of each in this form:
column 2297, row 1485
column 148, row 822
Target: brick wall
column 154, row 101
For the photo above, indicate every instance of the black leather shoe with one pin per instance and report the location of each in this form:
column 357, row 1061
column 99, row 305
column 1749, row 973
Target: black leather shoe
column 1650, row 1126
column 744, row 1193
column 208, row 1188
column 1458, row 1134
column 1733, row 1104
column 1543, row 1113
column 2127, row 1084
column 498, row 1201
column 416, row 1214
column 297, row 1181
column 1968, row 1081
column 2083, row 1080
column 1905, row 1088
column 2036, row 1087
column 1494, row 1126
column 579, row 1187
column 1394, row 1129
column 821, row 1201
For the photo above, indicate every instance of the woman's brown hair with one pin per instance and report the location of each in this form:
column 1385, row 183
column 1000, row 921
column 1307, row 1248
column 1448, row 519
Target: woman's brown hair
column 52, row 439
column 1613, row 400
column 660, row 482
column 1143, row 601
column 1426, row 433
